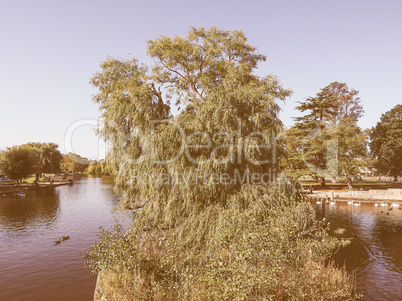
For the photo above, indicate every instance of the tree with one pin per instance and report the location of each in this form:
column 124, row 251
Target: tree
column 226, row 113
column 348, row 105
column 197, row 180
column 310, row 134
column 73, row 163
column 386, row 143
column 352, row 149
column 327, row 141
column 17, row 163
column 67, row 164
column 351, row 140
column 47, row 157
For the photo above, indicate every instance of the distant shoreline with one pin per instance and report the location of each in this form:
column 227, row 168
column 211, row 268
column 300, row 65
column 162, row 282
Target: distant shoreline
column 28, row 187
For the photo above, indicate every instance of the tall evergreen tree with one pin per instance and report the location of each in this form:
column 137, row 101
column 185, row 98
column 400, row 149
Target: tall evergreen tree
column 327, row 140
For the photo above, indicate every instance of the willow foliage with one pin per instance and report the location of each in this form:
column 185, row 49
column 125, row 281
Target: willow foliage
column 227, row 121
column 207, row 225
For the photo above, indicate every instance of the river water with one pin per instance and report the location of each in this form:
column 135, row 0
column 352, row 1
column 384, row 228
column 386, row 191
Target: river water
column 31, row 266
column 375, row 251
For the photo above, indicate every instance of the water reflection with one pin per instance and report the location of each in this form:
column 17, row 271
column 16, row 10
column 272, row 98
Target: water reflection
column 376, row 247
column 39, row 208
column 31, row 266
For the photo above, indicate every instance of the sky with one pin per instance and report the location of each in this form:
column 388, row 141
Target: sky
column 50, row 49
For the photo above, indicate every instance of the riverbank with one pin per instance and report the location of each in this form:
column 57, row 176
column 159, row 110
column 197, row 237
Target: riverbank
column 357, row 186
column 27, row 187
column 371, row 196
column 97, row 293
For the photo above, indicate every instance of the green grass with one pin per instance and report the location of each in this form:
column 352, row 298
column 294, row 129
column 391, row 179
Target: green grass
column 32, row 178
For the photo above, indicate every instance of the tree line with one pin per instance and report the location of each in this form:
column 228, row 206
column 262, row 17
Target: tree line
column 20, row 162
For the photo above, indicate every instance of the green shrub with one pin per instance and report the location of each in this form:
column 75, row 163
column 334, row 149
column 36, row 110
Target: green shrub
column 271, row 249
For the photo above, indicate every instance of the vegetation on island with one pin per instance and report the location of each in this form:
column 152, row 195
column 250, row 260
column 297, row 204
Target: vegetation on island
column 210, row 222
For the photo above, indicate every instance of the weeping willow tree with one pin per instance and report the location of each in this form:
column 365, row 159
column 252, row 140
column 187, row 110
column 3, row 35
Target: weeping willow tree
column 192, row 141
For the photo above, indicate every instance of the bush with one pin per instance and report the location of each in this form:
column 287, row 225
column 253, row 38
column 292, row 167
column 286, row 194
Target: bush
column 270, row 249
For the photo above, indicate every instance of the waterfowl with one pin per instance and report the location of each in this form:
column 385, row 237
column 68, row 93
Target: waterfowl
column 57, row 242
column 350, row 202
column 332, row 203
column 356, row 204
column 376, row 204
column 65, row 238
column 383, row 205
column 318, row 202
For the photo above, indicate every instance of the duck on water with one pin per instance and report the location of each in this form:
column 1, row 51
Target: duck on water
column 63, row 238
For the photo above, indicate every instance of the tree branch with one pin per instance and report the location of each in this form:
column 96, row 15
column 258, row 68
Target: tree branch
column 191, row 83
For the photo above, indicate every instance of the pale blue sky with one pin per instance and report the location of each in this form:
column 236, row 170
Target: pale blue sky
column 50, row 49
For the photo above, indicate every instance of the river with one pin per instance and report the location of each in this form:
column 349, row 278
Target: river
column 31, row 266
column 375, row 251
